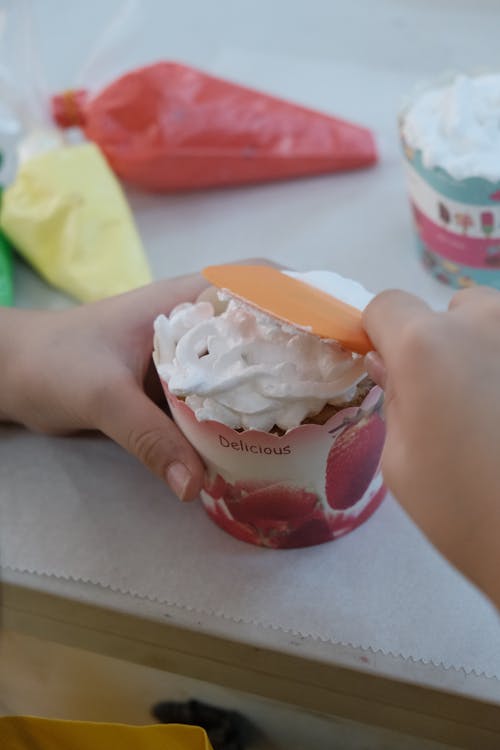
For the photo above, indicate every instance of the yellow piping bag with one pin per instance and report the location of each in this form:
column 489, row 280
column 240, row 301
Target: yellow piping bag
column 68, row 217
column 64, row 211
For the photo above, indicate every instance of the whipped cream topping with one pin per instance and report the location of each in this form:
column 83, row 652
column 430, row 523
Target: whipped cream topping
column 457, row 127
column 347, row 290
column 246, row 370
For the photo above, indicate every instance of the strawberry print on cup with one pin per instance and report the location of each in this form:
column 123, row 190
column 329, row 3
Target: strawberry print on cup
column 311, row 485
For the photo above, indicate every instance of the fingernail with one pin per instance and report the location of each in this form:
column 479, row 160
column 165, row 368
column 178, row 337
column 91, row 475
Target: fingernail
column 178, row 477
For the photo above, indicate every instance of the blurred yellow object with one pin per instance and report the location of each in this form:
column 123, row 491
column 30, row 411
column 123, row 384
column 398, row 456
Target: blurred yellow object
column 25, row 733
column 68, row 217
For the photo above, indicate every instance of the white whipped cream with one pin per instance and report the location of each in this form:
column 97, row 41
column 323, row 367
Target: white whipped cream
column 346, row 290
column 247, row 370
column 457, row 127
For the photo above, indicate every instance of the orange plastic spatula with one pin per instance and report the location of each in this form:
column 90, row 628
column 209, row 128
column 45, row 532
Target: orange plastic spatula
column 294, row 302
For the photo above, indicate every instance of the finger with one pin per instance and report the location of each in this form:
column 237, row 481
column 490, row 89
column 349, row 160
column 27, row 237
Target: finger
column 153, row 388
column 386, row 317
column 472, row 296
column 258, row 262
column 129, row 418
column 376, row 369
column 162, row 296
column 147, row 302
column 210, row 294
column 189, row 288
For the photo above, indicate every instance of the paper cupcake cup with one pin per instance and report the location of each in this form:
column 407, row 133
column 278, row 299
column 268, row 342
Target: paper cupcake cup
column 457, row 222
column 311, row 485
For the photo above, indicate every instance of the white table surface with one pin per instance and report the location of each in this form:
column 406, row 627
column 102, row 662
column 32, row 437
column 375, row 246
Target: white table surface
column 357, row 60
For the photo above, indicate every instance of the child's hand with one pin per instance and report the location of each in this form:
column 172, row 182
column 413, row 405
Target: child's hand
column 90, row 368
column 441, row 373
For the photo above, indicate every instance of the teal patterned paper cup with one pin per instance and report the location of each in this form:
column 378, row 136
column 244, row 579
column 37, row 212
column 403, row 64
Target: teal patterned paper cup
column 457, row 222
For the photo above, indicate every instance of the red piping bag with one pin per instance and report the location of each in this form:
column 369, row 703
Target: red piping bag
column 169, row 127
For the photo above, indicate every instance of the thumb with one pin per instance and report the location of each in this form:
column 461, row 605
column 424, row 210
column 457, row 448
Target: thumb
column 133, row 421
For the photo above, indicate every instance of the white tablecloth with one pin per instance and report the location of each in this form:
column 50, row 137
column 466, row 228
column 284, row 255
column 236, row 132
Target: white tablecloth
column 81, row 508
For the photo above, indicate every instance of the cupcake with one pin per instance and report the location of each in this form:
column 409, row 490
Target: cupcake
column 451, row 142
column 288, row 425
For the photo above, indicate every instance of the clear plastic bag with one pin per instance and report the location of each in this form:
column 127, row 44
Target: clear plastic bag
column 64, row 211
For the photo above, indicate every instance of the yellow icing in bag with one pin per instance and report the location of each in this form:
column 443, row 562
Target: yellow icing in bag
column 67, row 216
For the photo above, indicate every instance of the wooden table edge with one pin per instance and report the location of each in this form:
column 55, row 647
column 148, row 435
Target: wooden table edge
column 269, row 663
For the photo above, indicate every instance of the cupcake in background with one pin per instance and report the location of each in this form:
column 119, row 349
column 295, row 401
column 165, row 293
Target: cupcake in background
column 451, row 142
column 288, row 425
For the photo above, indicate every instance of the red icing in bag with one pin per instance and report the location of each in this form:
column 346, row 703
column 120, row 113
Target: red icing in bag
column 170, row 127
